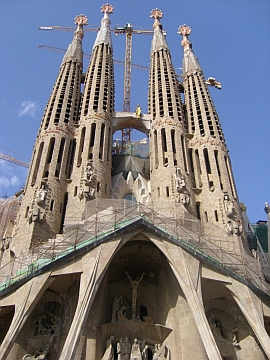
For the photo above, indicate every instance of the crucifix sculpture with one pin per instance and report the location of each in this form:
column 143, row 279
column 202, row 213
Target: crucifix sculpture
column 134, row 285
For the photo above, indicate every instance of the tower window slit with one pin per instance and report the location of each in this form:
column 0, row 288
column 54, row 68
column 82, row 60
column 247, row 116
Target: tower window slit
column 184, row 153
column 37, row 162
column 101, row 143
column 79, row 159
column 218, row 168
column 173, row 141
column 190, row 152
column 198, row 210
column 164, row 145
column 60, row 156
column 207, row 162
column 156, row 148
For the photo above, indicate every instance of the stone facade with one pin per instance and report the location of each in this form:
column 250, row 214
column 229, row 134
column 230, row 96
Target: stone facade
column 167, row 274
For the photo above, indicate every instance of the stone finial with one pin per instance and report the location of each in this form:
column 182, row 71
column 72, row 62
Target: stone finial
column 156, row 13
column 81, row 20
column 107, row 8
column 267, row 208
column 185, row 31
column 104, row 34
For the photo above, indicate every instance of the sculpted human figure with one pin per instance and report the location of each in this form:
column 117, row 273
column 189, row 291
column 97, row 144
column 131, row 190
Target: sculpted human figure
column 89, row 182
column 138, row 111
column 134, row 285
column 109, row 353
column 41, row 195
column 126, row 349
column 229, row 207
column 135, row 351
column 145, row 350
column 120, row 349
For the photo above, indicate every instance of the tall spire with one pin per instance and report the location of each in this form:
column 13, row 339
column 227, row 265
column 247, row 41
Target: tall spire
column 104, row 34
column 190, row 62
column 159, row 41
column 215, row 195
column 74, row 51
column 169, row 162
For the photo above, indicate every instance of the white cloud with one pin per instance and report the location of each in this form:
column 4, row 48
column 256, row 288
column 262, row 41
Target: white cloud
column 4, row 182
column 15, row 180
column 28, row 108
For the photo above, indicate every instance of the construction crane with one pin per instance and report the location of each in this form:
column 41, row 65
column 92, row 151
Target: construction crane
column 14, row 161
column 117, row 62
column 128, row 30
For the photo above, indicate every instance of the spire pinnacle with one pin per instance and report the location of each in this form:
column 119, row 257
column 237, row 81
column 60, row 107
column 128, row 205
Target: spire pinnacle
column 80, row 20
column 190, row 62
column 159, row 41
column 74, row 51
column 185, row 31
column 107, row 8
column 104, row 34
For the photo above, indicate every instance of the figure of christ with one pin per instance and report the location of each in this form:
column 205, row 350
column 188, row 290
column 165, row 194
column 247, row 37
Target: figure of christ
column 134, row 285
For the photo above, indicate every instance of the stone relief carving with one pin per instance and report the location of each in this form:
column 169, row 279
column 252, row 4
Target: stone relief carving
column 48, row 324
column 37, row 208
column 226, row 339
column 139, row 350
column 119, row 309
column 182, row 195
column 234, row 226
column 40, row 354
column 88, row 187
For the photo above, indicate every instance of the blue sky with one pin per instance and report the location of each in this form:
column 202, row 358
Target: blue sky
column 231, row 38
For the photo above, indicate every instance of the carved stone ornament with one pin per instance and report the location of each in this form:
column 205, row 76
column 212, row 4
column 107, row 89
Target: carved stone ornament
column 184, row 30
column 182, row 195
column 37, row 208
column 156, row 13
column 107, row 8
column 88, row 187
column 81, row 20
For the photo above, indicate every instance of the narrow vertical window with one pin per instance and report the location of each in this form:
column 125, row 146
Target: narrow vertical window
column 37, row 163
column 164, row 146
column 60, row 156
column 156, row 148
column 92, row 140
column 70, row 160
column 101, row 142
column 79, row 159
column 184, row 152
column 198, row 210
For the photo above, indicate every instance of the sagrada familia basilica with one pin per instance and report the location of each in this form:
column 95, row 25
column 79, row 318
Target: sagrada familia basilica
column 111, row 255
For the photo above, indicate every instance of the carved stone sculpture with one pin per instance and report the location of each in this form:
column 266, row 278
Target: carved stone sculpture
column 88, row 183
column 161, row 352
column 126, row 349
column 41, row 195
column 134, row 284
column 37, row 212
column 119, row 350
column 109, row 353
column 182, row 196
column 40, row 354
column 135, row 351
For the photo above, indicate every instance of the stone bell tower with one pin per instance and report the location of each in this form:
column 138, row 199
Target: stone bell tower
column 213, row 183
column 170, row 181
column 91, row 174
column 43, row 207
